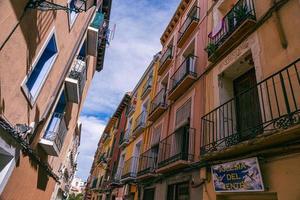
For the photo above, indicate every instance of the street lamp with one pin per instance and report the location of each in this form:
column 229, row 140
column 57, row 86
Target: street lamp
column 45, row 5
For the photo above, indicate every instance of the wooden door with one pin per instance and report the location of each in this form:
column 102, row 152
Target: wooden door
column 247, row 105
column 149, row 194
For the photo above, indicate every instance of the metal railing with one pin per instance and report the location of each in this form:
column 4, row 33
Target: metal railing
column 193, row 15
column 180, row 145
column 187, row 67
column 168, row 54
column 130, row 167
column 78, row 72
column 147, row 85
column 57, row 130
column 130, row 110
column 140, row 121
column 272, row 104
column 242, row 10
column 147, row 161
column 158, row 100
column 125, row 136
column 118, row 175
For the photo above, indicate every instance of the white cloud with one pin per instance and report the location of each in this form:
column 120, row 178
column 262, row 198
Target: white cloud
column 140, row 24
column 137, row 38
column 92, row 129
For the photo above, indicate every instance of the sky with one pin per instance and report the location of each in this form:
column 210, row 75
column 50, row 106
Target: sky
column 139, row 26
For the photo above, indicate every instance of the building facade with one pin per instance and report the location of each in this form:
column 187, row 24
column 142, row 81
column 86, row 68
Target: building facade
column 103, row 181
column 222, row 117
column 251, row 123
column 49, row 54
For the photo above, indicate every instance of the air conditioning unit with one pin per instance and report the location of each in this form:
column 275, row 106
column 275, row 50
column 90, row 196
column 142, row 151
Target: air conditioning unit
column 75, row 81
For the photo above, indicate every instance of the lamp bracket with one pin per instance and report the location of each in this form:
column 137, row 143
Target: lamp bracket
column 45, row 5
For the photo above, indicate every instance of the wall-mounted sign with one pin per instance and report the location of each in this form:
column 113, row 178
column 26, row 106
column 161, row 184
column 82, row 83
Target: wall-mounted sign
column 238, row 176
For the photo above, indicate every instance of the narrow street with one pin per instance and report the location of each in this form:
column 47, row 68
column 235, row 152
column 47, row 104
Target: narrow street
column 150, row 100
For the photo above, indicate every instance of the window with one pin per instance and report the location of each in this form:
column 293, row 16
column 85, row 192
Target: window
column 72, row 13
column 149, row 194
column 178, row 191
column 7, row 162
column 183, row 114
column 41, row 68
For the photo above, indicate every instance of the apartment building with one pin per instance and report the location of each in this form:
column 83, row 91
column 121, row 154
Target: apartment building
column 48, row 56
column 136, row 133
column 103, row 181
column 250, row 129
column 223, row 116
column 176, row 107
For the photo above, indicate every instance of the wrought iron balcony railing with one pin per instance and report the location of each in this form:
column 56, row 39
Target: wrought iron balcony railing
column 140, row 121
column 130, row 168
column 117, row 176
column 147, row 87
column 147, row 161
column 76, row 80
column 158, row 100
column 165, row 59
column 186, row 68
column 193, row 16
column 180, row 145
column 242, row 10
column 125, row 137
column 56, row 130
column 130, row 110
column 270, row 105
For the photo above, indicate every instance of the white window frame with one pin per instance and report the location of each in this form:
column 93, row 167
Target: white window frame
column 50, row 117
column 28, row 95
column 8, row 169
column 71, row 21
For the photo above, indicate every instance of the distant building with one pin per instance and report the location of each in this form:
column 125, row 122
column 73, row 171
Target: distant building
column 77, row 186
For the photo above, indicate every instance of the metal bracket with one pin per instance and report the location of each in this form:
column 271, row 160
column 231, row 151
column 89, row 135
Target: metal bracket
column 44, row 5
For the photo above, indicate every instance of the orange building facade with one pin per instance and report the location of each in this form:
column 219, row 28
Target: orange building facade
column 49, row 54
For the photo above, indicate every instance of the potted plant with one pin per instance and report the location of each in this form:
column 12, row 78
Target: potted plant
column 210, row 49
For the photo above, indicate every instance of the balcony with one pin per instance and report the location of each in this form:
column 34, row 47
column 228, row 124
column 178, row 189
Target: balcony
column 165, row 60
column 124, row 139
column 177, row 150
column 75, row 82
column 146, row 88
column 54, row 136
column 231, row 30
column 130, row 110
column 93, row 33
column 188, row 26
column 116, row 180
column 158, row 105
column 130, row 169
column 140, row 124
column 147, row 163
column 183, row 78
column 263, row 113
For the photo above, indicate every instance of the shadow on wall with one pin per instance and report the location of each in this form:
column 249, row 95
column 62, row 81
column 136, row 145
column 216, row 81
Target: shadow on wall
column 34, row 26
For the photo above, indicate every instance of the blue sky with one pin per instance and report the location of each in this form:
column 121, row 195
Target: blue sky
column 139, row 25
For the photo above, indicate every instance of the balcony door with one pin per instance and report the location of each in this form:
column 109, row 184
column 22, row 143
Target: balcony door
column 179, row 191
column 149, row 194
column 135, row 158
column 247, row 104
